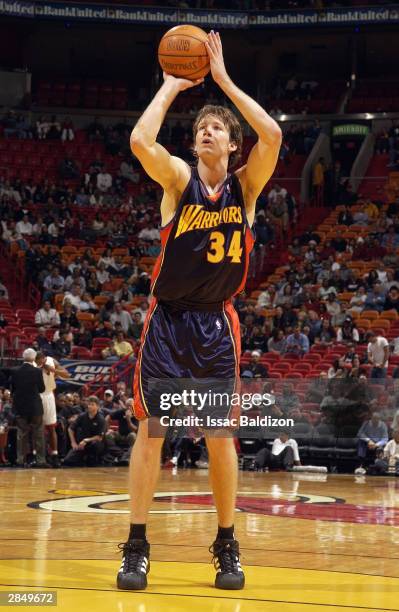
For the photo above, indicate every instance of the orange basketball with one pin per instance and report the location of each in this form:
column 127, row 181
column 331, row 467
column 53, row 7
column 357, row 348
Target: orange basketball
column 182, row 52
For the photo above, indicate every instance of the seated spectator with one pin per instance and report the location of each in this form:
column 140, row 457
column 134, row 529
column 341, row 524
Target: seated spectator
column 361, row 217
column 387, row 461
column 98, row 226
column 68, row 315
column 345, row 216
column 372, row 436
column 95, row 131
column 53, row 283
column 67, row 132
column 375, row 299
column 371, row 210
column 142, row 309
column 93, row 286
column 83, row 337
column 337, row 369
column 68, row 169
column 258, row 340
column 118, row 268
column 75, row 279
column 54, row 129
column 124, row 294
column 102, row 274
column 149, row 233
column 42, row 127
column 277, row 342
column 127, row 426
column 283, row 455
column 137, row 326
column 62, row 347
column 326, row 289
column 119, row 348
column 317, row 389
column 121, row 316
column 338, row 242
column 254, row 369
column 104, row 181
column 87, row 304
column 390, row 239
column 358, row 301
column 107, row 259
column 347, row 334
column 86, row 434
column 74, row 296
column 47, row 316
column 24, row 227
column 287, row 400
column 42, row 343
column 286, row 296
column 154, row 249
column 101, row 331
column 297, row 343
column 128, row 171
column 392, row 299
column 268, row 298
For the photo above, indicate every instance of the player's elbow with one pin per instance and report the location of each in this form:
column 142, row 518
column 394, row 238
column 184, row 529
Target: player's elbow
column 137, row 143
column 274, row 135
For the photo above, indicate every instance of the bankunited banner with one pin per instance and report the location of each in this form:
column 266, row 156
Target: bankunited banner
column 212, row 18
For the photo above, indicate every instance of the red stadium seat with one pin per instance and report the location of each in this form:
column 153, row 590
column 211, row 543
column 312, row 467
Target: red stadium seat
column 80, row 352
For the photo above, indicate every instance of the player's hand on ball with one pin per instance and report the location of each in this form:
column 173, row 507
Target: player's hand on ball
column 215, row 51
column 181, row 83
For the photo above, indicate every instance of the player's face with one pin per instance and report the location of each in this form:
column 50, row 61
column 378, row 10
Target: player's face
column 213, row 138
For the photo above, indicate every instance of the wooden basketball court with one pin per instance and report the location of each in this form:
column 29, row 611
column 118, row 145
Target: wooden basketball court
column 309, row 542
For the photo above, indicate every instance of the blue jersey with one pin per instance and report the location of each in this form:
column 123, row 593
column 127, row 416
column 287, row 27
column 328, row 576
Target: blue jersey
column 205, row 247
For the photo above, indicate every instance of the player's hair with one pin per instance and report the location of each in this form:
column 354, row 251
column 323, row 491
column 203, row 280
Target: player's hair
column 94, row 399
column 229, row 120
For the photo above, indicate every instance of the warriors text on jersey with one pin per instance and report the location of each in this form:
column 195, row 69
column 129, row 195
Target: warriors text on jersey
column 205, row 247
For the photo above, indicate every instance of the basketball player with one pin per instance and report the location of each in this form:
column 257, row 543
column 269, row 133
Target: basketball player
column 192, row 329
column 51, row 370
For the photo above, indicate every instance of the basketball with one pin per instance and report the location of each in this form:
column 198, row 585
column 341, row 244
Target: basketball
column 182, row 52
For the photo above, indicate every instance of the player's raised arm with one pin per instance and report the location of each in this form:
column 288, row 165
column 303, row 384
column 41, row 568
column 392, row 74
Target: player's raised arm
column 162, row 167
column 264, row 155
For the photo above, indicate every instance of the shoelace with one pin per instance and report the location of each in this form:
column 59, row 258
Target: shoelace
column 133, row 556
column 226, row 556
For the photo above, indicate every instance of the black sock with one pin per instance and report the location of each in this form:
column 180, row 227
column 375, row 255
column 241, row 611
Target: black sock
column 137, row 531
column 225, row 533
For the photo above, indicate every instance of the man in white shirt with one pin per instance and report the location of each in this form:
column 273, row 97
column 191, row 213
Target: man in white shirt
column 389, row 462
column 54, row 229
column 104, row 181
column 74, row 296
column 47, row 316
column 378, row 354
column 268, row 298
column 149, row 233
column 277, row 192
column 284, row 454
column 24, row 227
column 121, row 316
